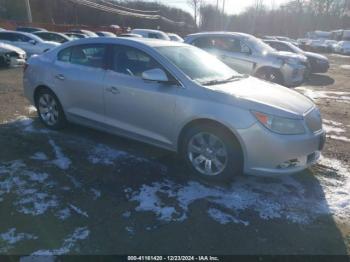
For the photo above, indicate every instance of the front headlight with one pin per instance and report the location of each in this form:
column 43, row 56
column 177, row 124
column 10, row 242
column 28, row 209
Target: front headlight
column 280, row 125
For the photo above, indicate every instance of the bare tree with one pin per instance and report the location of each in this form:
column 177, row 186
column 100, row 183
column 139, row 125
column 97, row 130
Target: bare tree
column 195, row 4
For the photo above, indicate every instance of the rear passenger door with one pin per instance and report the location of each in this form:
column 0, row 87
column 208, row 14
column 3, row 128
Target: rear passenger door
column 230, row 50
column 78, row 78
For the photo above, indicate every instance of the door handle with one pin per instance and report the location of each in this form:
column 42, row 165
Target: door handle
column 113, row 90
column 60, row 77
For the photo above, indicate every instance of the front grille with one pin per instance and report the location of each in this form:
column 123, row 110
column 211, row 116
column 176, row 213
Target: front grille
column 314, row 121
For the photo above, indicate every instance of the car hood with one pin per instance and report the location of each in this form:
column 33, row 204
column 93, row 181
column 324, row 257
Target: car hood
column 316, row 56
column 10, row 48
column 285, row 55
column 259, row 95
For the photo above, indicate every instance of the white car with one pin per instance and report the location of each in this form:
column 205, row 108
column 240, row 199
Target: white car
column 175, row 37
column 343, row 47
column 30, row 43
column 149, row 33
column 317, row 45
column 11, row 55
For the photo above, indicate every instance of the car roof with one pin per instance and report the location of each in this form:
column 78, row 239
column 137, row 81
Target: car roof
column 221, row 33
column 21, row 33
column 143, row 41
column 147, row 30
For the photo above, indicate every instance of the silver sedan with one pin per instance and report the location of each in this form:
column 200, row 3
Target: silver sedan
column 180, row 98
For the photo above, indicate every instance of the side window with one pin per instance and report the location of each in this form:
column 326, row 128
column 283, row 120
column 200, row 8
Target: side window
column 230, row 44
column 21, row 38
column 6, row 37
column 64, row 55
column 89, row 55
column 153, row 35
column 203, row 43
column 131, row 61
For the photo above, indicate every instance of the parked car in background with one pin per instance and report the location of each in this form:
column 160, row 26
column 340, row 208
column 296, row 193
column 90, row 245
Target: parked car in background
column 175, row 37
column 130, row 35
column 148, row 33
column 287, row 39
column 53, row 37
column 219, row 121
column 302, row 43
column 317, row 45
column 250, row 55
column 331, row 44
column 268, row 37
column 11, row 55
column 30, row 43
column 84, row 32
column 343, row 47
column 75, row 36
column 29, row 29
column 317, row 63
column 105, row 34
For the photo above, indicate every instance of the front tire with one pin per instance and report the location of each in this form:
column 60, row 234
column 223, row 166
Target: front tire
column 270, row 75
column 212, row 153
column 49, row 109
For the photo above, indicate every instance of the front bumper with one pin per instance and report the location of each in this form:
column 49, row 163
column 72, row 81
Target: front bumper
column 319, row 67
column 269, row 154
column 17, row 61
column 293, row 75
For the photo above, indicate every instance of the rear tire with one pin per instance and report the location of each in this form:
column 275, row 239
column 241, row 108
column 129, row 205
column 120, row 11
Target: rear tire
column 211, row 153
column 49, row 109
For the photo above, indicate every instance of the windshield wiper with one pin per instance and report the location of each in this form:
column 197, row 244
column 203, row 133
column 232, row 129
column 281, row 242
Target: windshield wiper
column 222, row 81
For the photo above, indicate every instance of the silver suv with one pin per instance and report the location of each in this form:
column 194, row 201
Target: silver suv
column 180, row 98
column 249, row 55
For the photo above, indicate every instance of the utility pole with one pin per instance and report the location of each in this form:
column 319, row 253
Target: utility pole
column 223, row 14
column 29, row 11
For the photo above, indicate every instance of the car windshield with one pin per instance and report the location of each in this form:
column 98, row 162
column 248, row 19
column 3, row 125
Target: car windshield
column 199, row 65
column 259, row 45
column 295, row 48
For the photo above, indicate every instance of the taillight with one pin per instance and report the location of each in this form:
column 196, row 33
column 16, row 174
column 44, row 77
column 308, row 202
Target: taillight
column 25, row 67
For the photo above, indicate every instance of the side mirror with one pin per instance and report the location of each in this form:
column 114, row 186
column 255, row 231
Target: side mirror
column 33, row 42
column 157, row 75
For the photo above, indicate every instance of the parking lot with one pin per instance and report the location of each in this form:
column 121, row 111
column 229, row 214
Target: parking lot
column 80, row 191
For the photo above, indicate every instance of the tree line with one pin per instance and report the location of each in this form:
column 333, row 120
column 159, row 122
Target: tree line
column 294, row 18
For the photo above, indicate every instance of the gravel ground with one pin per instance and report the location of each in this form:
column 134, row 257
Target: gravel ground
column 80, row 191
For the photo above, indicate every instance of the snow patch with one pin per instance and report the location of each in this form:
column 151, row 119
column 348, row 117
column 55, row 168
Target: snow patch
column 346, row 67
column 28, row 187
column 224, row 218
column 40, row 156
column 31, row 109
column 11, row 237
column 61, row 160
column 78, row 210
column 279, row 198
column 105, row 155
column 333, row 95
column 69, row 243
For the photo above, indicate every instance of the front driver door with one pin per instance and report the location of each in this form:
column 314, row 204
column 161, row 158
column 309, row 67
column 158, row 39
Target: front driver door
column 141, row 109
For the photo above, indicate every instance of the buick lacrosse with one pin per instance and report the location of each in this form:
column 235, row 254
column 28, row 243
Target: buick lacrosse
column 178, row 97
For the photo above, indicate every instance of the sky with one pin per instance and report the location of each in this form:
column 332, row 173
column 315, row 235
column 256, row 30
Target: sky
column 232, row 6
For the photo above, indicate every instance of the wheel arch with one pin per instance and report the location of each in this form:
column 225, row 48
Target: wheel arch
column 211, row 122
column 266, row 67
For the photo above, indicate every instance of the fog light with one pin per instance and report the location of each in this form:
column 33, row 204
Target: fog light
column 289, row 163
